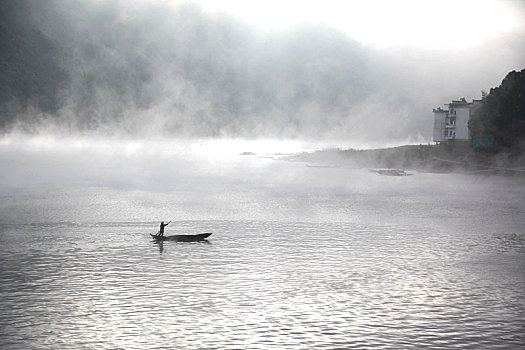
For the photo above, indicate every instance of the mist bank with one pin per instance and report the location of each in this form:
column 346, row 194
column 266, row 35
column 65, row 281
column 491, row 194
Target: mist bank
column 154, row 68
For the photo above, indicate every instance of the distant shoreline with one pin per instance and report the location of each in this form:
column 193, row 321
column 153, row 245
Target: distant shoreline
column 442, row 158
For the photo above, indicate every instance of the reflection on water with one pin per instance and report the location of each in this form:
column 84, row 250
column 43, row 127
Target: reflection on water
column 307, row 258
column 260, row 284
column 160, row 244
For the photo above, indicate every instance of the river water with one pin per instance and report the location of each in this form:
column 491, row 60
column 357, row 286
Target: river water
column 300, row 257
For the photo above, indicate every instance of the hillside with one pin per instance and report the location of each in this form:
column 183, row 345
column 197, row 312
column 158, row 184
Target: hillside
column 502, row 114
column 30, row 64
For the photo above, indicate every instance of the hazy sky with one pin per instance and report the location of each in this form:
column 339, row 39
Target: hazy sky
column 429, row 23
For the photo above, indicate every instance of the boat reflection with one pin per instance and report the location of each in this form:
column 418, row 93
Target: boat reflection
column 160, row 243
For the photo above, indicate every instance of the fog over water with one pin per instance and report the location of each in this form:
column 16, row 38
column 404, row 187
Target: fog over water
column 228, row 179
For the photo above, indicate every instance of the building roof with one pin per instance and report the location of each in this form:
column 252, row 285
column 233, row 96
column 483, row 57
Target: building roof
column 462, row 102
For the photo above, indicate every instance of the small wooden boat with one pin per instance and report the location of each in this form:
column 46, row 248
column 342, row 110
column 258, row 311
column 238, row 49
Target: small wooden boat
column 182, row 238
column 390, row 172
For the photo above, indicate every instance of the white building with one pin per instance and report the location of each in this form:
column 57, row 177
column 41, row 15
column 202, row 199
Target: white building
column 452, row 124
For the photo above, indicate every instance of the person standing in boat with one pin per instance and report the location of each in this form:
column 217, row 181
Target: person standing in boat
column 162, row 225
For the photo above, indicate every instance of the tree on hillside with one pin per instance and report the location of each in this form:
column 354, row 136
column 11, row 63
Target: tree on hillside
column 502, row 114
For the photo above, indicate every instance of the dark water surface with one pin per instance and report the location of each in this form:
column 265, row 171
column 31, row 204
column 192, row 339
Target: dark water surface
column 309, row 262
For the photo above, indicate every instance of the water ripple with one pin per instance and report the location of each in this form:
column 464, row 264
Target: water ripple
column 260, row 285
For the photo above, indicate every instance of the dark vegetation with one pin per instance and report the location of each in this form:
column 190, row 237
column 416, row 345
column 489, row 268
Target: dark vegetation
column 502, row 115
